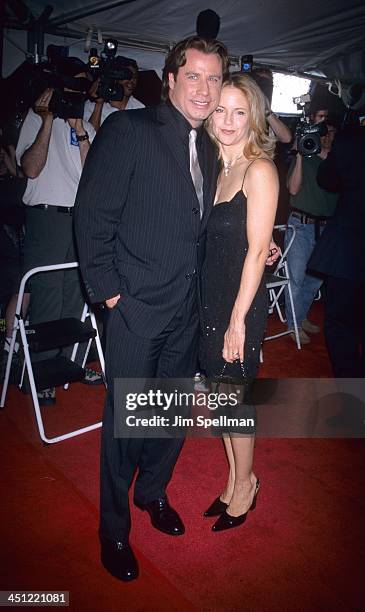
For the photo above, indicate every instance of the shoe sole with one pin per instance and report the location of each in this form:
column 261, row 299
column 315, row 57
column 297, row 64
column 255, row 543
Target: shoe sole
column 170, row 533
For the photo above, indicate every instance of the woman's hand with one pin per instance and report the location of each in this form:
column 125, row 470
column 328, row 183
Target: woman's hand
column 234, row 341
column 274, row 253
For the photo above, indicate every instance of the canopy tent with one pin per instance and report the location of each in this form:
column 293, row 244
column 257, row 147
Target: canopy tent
column 311, row 37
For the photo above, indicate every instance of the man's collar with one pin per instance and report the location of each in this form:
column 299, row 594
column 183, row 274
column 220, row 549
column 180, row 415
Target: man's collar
column 183, row 125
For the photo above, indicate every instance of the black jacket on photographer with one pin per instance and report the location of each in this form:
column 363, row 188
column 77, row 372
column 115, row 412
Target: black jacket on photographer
column 339, row 254
column 340, row 251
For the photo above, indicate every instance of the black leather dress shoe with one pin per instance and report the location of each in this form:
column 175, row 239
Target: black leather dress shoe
column 119, row 560
column 163, row 517
column 226, row 521
column 216, row 508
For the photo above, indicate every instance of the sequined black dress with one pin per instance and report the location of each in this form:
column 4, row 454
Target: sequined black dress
column 226, row 250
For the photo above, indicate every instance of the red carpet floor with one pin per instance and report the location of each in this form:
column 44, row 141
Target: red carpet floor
column 301, row 550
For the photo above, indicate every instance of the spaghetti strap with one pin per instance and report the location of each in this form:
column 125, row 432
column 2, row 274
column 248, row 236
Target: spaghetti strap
column 253, row 161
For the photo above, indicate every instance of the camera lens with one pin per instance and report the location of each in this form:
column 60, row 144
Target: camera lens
column 309, row 144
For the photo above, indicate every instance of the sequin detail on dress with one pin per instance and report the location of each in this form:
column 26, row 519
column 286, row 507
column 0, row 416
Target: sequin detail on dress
column 226, row 251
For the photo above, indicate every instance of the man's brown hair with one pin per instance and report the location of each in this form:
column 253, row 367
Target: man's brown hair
column 177, row 58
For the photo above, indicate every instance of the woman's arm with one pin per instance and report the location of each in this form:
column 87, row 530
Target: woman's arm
column 262, row 189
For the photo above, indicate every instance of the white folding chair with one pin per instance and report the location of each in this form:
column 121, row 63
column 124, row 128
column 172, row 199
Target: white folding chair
column 43, row 336
column 276, row 283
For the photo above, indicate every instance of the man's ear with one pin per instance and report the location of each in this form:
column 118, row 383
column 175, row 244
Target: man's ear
column 171, row 80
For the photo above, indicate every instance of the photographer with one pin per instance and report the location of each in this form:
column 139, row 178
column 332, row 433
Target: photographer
column 339, row 254
column 264, row 79
column 97, row 111
column 52, row 150
column 311, row 208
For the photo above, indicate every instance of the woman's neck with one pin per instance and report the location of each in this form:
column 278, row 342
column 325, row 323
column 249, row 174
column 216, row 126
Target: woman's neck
column 231, row 153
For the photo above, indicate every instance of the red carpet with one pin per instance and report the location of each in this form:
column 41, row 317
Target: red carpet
column 302, row 549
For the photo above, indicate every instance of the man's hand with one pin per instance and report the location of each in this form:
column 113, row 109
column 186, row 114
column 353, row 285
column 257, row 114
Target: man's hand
column 274, row 253
column 111, row 302
column 83, row 141
column 95, row 117
column 93, row 92
column 41, row 106
column 323, row 153
column 77, row 125
column 34, row 158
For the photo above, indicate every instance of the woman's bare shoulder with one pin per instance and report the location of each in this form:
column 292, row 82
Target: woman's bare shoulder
column 261, row 163
column 260, row 168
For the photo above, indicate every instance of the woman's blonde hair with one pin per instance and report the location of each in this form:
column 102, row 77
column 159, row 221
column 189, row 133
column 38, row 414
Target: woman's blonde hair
column 259, row 139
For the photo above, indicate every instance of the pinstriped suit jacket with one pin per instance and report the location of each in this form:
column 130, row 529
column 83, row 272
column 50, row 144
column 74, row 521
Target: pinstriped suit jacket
column 137, row 220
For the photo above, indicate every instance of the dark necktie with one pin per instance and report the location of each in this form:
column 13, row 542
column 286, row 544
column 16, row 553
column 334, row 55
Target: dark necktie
column 195, row 171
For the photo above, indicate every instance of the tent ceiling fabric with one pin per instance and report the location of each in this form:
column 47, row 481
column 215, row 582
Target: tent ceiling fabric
column 297, row 35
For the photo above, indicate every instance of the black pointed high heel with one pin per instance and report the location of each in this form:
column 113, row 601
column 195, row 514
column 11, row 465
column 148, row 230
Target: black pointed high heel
column 226, row 521
column 216, row 508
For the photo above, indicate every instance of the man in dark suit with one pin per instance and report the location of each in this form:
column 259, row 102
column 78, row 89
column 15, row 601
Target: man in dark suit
column 339, row 254
column 140, row 220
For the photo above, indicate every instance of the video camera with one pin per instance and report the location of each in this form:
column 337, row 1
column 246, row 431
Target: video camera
column 308, row 135
column 22, row 88
column 110, row 70
column 60, row 76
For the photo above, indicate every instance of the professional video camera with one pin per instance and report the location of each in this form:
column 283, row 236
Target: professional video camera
column 69, row 92
column 308, row 135
column 60, row 76
column 23, row 87
column 110, row 70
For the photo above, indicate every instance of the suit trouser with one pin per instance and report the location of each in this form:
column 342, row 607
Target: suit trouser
column 173, row 354
column 345, row 326
column 49, row 240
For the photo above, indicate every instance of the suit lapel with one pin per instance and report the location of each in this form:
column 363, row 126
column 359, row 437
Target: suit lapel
column 173, row 141
column 209, row 168
column 210, row 174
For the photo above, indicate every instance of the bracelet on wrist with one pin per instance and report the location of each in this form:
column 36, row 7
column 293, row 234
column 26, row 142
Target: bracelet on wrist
column 82, row 137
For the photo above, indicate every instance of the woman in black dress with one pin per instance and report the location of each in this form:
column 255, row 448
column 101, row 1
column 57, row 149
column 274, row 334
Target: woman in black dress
column 234, row 294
